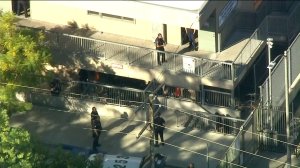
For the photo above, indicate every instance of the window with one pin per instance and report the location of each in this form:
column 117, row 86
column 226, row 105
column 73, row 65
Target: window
column 121, row 18
column 93, row 13
column 110, row 16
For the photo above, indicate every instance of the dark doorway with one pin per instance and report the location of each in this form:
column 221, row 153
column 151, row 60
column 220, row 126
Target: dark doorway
column 184, row 36
column 21, row 7
column 109, row 79
column 165, row 32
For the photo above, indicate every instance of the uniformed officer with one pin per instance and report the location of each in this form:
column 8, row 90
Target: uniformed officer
column 96, row 131
column 159, row 126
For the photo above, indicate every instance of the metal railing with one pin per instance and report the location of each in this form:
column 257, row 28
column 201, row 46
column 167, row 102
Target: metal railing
column 243, row 145
column 218, row 98
column 293, row 25
column 113, row 95
column 65, row 44
column 269, row 27
column 96, row 93
column 278, row 74
column 294, row 59
column 208, row 122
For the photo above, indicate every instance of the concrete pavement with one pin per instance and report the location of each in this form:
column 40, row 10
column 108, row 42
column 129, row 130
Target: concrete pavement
column 56, row 126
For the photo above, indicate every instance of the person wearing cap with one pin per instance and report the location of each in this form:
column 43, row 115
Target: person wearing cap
column 160, row 45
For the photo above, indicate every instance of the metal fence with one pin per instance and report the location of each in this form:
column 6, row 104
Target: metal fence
column 208, row 122
column 269, row 27
column 294, row 58
column 244, row 144
column 293, row 25
column 65, row 44
column 107, row 94
column 218, row 98
column 278, row 91
column 95, row 92
column 253, row 137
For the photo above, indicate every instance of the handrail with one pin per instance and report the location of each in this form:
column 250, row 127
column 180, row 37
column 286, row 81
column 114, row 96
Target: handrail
column 124, row 45
column 245, row 45
column 294, row 41
column 237, row 136
column 214, row 115
column 107, row 86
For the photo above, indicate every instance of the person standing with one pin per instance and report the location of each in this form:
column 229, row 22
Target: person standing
column 160, row 45
column 190, row 33
column 96, row 131
column 94, row 113
column 96, row 128
column 159, row 126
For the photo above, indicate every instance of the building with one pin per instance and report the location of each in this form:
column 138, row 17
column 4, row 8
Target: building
column 230, row 37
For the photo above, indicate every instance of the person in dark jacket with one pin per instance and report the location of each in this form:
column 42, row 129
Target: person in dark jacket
column 191, row 33
column 94, row 113
column 55, row 87
column 159, row 126
column 96, row 131
column 160, row 45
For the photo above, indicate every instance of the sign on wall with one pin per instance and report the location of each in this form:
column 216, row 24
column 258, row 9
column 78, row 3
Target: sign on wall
column 226, row 11
column 188, row 64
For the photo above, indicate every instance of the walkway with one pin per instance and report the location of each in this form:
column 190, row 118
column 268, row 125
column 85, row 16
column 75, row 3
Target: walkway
column 72, row 127
column 229, row 54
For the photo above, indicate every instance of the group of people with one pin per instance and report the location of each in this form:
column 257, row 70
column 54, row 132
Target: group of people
column 160, row 45
column 159, row 126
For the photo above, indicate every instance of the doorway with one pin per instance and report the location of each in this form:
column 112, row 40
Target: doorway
column 184, row 35
column 21, row 7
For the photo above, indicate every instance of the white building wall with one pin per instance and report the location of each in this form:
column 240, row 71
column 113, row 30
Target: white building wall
column 5, row 5
column 60, row 13
column 147, row 16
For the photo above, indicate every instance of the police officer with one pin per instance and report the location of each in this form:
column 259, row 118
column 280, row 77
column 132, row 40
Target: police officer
column 159, row 126
column 96, row 131
column 96, row 128
column 94, row 113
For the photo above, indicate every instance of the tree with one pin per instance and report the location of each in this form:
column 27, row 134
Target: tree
column 15, row 146
column 23, row 56
column 20, row 150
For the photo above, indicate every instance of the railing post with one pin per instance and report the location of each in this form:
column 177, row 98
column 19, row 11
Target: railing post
column 202, row 95
column 174, row 56
column 232, row 73
column 233, row 83
column 201, row 69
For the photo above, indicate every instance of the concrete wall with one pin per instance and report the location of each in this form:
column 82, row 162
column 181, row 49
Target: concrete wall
column 64, row 14
column 209, row 41
column 5, row 5
column 174, row 34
